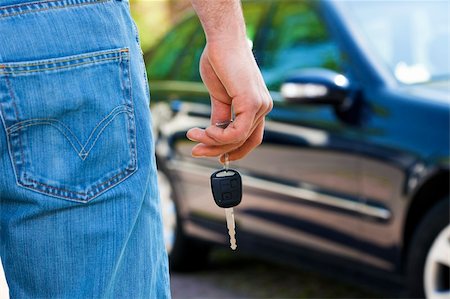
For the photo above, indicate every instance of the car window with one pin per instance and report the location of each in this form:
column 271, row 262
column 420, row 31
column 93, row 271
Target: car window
column 187, row 68
column 169, row 50
column 179, row 58
column 189, row 58
column 296, row 38
column 254, row 13
column 411, row 38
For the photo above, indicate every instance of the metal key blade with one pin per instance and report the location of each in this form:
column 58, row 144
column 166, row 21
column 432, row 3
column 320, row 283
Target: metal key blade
column 229, row 213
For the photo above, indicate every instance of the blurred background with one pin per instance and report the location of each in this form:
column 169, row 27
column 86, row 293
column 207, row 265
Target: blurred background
column 155, row 17
column 347, row 197
column 229, row 274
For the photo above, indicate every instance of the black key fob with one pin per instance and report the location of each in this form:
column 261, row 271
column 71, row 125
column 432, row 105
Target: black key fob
column 226, row 186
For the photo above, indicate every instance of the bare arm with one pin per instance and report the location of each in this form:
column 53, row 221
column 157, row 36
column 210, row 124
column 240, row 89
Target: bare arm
column 221, row 19
column 230, row 73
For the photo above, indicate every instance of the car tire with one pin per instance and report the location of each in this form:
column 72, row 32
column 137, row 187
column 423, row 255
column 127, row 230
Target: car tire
column 427, row 264
column 185, row 253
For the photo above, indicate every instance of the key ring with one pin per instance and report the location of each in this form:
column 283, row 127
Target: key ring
column 226, row 165
column 223, row 125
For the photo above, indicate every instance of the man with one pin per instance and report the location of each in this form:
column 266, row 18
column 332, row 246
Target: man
column 79, row 202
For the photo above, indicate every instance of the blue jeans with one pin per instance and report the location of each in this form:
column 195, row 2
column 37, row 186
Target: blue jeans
column 79, row 201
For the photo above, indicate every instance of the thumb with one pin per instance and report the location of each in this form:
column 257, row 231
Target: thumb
column 220, row 111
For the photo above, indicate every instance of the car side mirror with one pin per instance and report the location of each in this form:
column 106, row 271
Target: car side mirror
column 316, row 86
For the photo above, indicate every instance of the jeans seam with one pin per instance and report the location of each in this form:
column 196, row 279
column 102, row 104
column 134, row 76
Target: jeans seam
column 46, row 8
column 10, row 151
column 132, row 120
column 22, row 155
column 67, row 59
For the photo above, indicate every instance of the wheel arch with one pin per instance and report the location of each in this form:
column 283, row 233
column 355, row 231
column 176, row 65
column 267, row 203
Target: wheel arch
column 430, row 192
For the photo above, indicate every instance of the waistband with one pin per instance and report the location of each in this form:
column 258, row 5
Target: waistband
column 9, row 8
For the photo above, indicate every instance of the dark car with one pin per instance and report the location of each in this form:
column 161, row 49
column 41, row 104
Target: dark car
column 354, row 166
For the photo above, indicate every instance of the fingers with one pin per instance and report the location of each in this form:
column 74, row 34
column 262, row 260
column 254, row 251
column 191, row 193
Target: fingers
column 251, row 143
column 236, row 132
column 202, row 150
column 213, row 149
column 201, row 136
column 255, row 139
column 213, row 144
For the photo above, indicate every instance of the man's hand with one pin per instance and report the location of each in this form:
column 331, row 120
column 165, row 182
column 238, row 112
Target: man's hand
column 233, row 79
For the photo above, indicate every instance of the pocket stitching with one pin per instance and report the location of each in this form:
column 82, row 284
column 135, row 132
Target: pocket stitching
column 99, row 123
column 51, row 123
column 38, row 121
column 130, row 170
column 82, row 153
column 86, row 153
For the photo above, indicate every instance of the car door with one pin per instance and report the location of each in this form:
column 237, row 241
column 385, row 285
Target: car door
column 302, row 185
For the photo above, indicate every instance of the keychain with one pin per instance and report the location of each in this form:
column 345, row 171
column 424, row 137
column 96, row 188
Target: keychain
column 226, row 186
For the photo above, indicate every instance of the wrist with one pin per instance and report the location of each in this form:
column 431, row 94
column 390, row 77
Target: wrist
column 234, row 64
column 235, row 46
column 228, row 36
column 222, row 20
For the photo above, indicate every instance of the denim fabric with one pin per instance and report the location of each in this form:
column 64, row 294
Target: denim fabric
column 79, row 201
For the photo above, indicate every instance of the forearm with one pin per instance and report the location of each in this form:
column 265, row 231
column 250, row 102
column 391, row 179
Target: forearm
column 222, row 20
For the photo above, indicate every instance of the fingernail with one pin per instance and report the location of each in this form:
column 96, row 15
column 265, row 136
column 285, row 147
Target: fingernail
column 191, row 136
column 193, row 154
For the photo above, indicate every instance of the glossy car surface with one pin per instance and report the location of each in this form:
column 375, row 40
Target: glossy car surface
column 356, row 150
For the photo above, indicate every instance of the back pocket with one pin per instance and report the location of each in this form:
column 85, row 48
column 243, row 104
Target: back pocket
column 70, row 123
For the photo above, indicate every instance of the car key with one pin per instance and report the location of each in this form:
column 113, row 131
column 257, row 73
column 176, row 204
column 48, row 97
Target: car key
column 226, row 185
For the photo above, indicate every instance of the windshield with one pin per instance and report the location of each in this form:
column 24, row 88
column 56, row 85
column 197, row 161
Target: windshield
column 411, row 37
